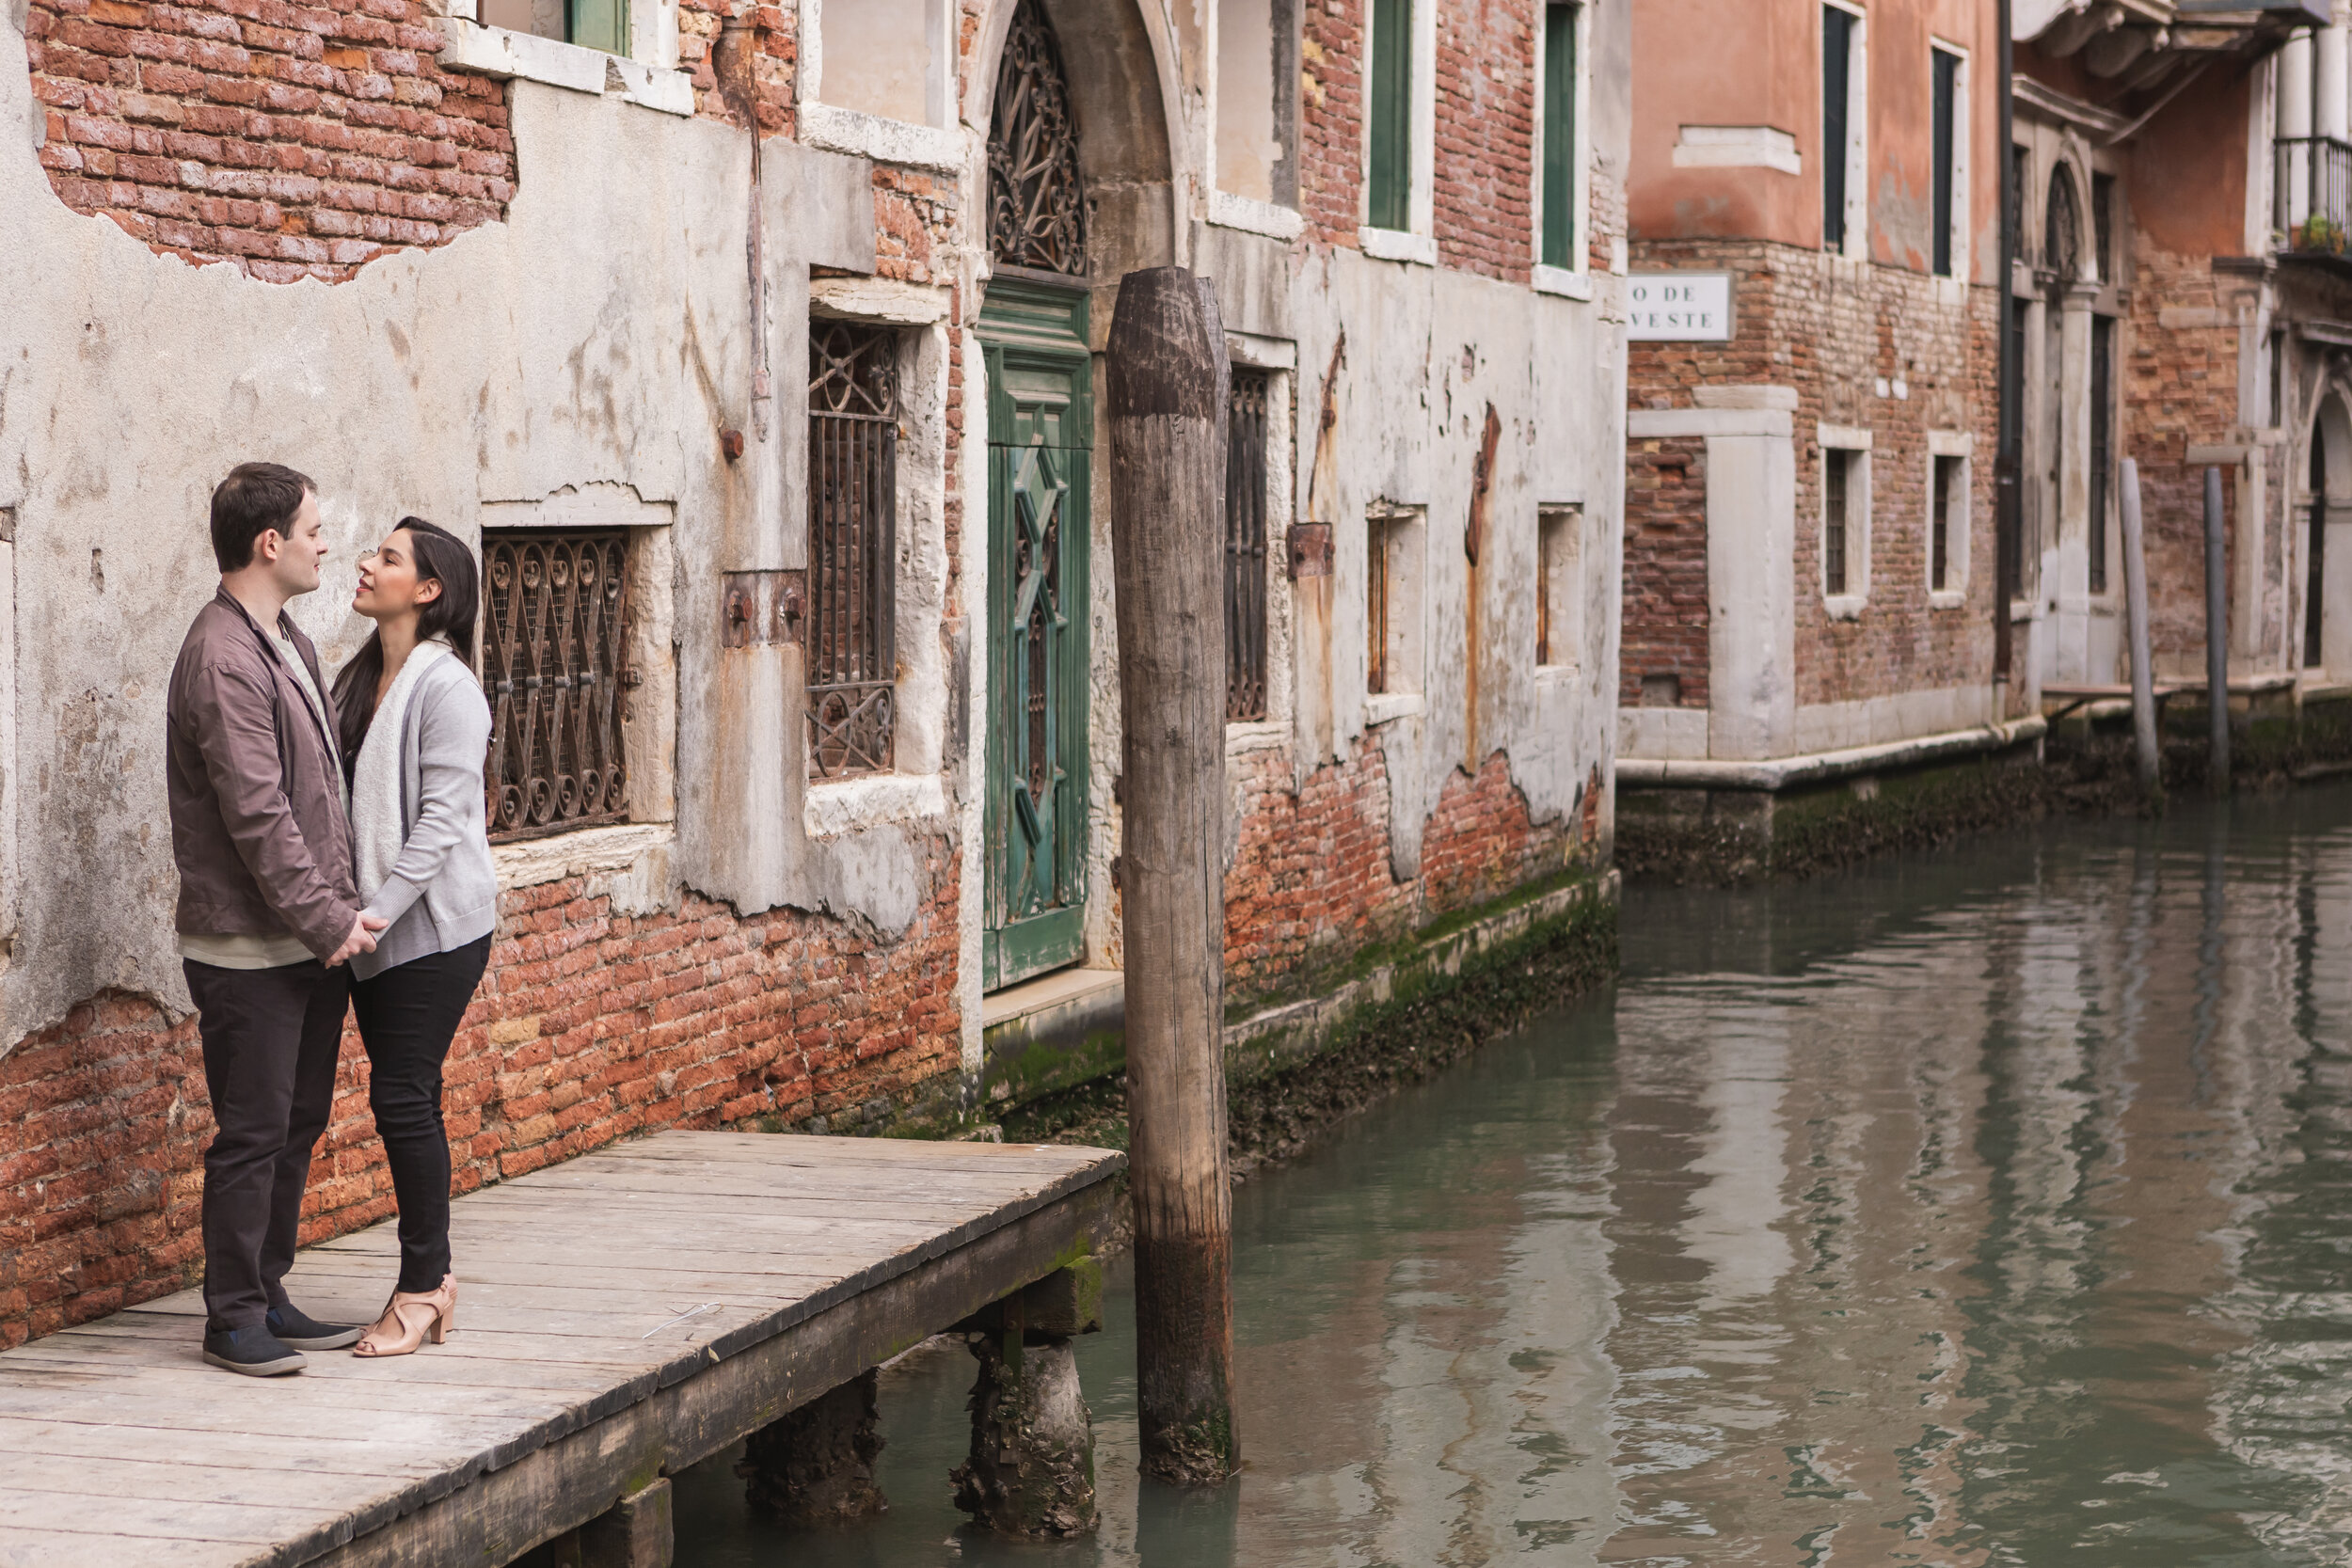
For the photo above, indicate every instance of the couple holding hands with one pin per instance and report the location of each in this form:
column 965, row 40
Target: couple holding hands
column 333, row 853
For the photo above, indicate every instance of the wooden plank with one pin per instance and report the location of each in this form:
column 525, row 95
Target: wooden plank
column 580, row 1359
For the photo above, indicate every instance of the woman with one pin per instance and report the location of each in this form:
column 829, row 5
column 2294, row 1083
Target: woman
column 415, row 729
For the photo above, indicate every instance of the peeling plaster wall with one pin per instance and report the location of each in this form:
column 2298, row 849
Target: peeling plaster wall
column 581, row 357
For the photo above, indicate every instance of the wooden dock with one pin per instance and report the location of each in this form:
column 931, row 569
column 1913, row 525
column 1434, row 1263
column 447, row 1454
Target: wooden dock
column 620, row 1317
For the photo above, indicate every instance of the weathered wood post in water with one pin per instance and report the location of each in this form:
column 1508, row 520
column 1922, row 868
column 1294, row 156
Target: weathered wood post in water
column 2217, row 637
column 2135, row 609
column 1166, row 384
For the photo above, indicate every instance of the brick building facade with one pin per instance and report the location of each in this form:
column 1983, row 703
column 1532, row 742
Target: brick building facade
column 488, row 266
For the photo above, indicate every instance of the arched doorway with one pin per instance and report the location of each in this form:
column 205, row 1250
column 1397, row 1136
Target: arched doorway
column 1040, row 435
column 2330, row 507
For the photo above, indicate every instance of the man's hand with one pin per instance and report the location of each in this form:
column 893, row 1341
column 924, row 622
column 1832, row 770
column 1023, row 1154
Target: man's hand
column 362, row 938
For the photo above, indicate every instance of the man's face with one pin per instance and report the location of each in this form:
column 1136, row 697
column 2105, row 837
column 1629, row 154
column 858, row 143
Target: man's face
column 299, row 554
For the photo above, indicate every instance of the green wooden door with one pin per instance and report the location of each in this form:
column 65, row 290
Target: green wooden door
column 1041, row 426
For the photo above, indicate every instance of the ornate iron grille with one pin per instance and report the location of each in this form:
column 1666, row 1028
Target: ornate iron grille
column 1036, row 210
column 853, row 547
column 554, row 658
column 1834, row 522
column 1245, row 547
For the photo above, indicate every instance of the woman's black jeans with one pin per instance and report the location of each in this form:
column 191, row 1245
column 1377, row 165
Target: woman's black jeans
column 408, row 1016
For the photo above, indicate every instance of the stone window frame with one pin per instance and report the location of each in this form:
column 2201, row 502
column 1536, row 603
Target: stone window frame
column 649, row 726
column 1279, row 358
column 935, row 142
column 1569, row 282
column 1961, row 445
column 1561, row 587
column 1953, row 286
column 1855, row 246
column 648, row 74
column 913, row 791
column 1278, row 219
column 1849, row 605
column 1402, row 532
column 1417, row 243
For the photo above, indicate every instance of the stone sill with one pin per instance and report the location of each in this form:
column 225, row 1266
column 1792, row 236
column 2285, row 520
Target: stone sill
column 499, row 52
column 835, row 807
column 884, row 140
column 1561, row 281
column 1259, row 735
column 582, row 853
column 1845, row 607
column 1383, row 706
column 1941, row 598
column 1252, row 216
column 1781, row 773
column 1394, row 244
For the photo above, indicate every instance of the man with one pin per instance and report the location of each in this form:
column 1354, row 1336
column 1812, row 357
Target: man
column 268, row 911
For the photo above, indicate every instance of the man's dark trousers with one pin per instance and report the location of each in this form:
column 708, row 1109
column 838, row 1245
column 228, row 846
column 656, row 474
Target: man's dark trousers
column 271, row 1036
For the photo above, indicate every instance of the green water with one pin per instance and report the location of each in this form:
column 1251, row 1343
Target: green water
column 1988, row 1207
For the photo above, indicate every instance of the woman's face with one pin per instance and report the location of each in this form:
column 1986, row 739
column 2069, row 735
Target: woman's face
column 389, row 584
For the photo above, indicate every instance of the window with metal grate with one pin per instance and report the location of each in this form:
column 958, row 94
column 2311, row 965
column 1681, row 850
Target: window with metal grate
column 555, row 645
column 853, row 547
column 1245, row 548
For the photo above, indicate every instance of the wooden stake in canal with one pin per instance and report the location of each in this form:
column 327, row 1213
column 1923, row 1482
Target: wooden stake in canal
column 1167, row 383
column 2216, row 635
column 2135, row 607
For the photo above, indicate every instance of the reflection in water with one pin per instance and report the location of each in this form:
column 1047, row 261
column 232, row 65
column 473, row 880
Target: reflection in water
column 1980, row 1209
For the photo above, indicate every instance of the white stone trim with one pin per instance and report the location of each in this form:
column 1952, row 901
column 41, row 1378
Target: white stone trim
column 884, row 141
column 1961, row 444
column 832, row 807
column 468, row 45
column 1260, row 354
column 1257, row 735
column 1845, row 437
column 1849, row 605
column 581, row 853
column 1857, row 246
column 881, row 299
column 1662, row 423
column 1382, row 706
column 1963, row 216
column 1561, row 281
column 1737, row 147
column 1394, row 244
column 1252, row 216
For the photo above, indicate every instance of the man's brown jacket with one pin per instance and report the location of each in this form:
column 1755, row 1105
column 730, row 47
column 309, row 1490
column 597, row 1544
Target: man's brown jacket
column 256, row 788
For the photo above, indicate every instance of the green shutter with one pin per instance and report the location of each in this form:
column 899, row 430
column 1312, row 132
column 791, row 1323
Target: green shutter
column 600, row 24
column 1559, row 135
column 1392, row 119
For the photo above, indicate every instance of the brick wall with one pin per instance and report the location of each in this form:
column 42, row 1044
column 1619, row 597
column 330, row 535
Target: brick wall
column 1665, row 616
column 1482, row 170
column 1331, row 118
column 293, row 141
column 1311, row 884
column 1802, row 319
column 590, row 1025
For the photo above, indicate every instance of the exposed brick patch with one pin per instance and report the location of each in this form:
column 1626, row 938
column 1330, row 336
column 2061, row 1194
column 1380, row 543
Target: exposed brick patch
column 295, row 140
column 1331, row 119
column 1665, row 616
column 1482, row 171
column 1311, row 881
column 589, row 1026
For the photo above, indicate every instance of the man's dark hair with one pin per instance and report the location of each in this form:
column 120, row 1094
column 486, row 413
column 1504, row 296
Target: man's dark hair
column 253, row 499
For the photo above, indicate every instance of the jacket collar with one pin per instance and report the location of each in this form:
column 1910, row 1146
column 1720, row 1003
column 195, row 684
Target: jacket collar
column 270, row 651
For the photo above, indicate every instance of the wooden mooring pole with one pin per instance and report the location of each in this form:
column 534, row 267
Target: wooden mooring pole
column 2216, row 638
column 1166, row 384
column 2144, row 736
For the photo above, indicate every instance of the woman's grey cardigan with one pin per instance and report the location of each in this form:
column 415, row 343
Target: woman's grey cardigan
column 443, row 891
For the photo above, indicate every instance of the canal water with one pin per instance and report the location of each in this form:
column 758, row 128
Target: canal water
column 1991, row 1207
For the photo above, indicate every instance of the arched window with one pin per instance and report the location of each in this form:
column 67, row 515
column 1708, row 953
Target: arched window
column 2062, row 228
column 1036, row 210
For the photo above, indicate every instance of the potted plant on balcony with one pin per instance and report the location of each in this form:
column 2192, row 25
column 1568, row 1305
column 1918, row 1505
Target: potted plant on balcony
column 2318, row 232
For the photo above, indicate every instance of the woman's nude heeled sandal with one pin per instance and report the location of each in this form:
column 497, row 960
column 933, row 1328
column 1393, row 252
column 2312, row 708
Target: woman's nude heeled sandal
column 409, row 1319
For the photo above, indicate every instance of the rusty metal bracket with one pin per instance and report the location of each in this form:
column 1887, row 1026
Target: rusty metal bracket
column 1310, row 550
column 759, row 609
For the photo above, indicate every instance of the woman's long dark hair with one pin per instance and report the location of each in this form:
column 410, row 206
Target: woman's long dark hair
column 442, row 558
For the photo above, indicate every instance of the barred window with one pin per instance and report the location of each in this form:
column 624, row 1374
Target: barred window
column 555, row 643
column 1245, row 548
column 853, row 547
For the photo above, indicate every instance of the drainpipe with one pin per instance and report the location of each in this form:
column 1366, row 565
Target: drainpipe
column 2007, row 393
column 731, row 62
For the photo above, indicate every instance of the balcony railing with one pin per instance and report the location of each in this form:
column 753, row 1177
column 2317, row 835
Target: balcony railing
column 2312, row 194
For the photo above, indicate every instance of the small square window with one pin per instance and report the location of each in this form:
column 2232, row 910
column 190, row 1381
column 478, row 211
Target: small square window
column 1559, row 593
column 1393, row 559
